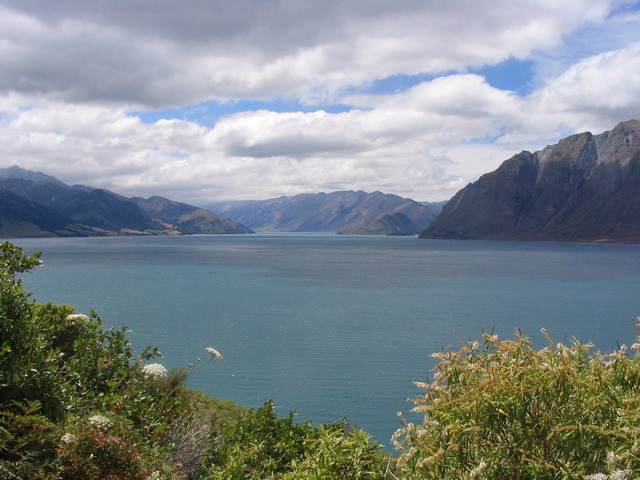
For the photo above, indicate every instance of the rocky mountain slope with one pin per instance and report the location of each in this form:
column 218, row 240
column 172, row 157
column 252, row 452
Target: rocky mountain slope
column 395, row 224
column 585, row 188
column 323, row 212
column 191, row 220
column 34, row 204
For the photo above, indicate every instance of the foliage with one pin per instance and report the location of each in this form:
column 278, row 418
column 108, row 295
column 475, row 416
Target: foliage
column 27, row 440
column 333, row 453
column 260, row 445
column 64, row 376
column 504, row 410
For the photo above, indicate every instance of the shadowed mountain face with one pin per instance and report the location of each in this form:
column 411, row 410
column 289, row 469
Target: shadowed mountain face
column 34, row 206
column 584, row 188
column 323, row 212
column 21, row 218
column 190, row 220
column 395, row 224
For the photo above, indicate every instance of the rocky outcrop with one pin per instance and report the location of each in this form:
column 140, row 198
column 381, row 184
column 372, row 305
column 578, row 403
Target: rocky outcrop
column 586, row 188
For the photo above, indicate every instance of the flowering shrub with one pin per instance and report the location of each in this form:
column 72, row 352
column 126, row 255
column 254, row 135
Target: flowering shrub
column 504, row 410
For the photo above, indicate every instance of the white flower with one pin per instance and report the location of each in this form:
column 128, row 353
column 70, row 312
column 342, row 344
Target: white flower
column 155, row 370
column 77, row 319
column 214, row 353
column 490, row 338
column 68, row 438
column 635, row 346
column 597, row 476
column 620, row 474
column 478, row 470
column 156, row 475
column 101, row 422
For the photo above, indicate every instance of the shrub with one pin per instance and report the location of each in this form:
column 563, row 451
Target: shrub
column 74, row 400
column 504, row 410
column 260, row 446
column 331, row 452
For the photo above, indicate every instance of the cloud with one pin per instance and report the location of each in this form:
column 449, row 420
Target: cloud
column 71, row 73
column 596, row 92
column 157, row 56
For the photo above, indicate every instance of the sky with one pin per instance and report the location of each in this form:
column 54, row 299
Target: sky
column 214, row 100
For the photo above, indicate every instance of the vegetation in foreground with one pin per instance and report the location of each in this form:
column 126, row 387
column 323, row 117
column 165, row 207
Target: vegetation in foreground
column 76, row 403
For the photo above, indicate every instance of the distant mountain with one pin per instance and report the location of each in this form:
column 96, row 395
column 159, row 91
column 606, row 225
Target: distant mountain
column 322, row 212
column 40, row 207
column 585, row 188
column 35, row 177
column 394, row 224
column 189, row 219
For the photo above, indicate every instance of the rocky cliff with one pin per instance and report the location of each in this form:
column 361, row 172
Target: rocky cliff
column 586, row 188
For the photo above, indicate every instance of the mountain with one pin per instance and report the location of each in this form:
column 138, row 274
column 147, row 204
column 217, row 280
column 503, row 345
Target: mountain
column 21, row 218
column 585, row 188
column 36, row 177
column 63, row 211
column 395, row 224
column 189, row 219
column 322, row 212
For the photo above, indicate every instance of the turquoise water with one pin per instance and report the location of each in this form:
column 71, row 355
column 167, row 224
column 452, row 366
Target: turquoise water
column 336, row 326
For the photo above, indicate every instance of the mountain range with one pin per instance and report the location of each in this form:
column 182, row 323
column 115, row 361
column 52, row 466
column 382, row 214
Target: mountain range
column 331, row 212
column 33, row 204
column 585, row 188
column 36, row 204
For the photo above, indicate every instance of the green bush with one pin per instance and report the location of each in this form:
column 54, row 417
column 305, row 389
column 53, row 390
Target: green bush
column 60, row 371
column 331, row 452
column 504, row 410
column 261, row 446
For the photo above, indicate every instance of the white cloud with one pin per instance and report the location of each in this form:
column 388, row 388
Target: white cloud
column 71, row 72
column 596, row 92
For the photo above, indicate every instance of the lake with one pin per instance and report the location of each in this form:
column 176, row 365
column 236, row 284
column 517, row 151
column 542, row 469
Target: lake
column 336, row 326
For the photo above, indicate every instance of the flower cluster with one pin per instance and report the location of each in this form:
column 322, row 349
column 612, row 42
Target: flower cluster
column 68, row 438
column 155, row 370
column 214, row 353
column 77, row 319
column 101, row 422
